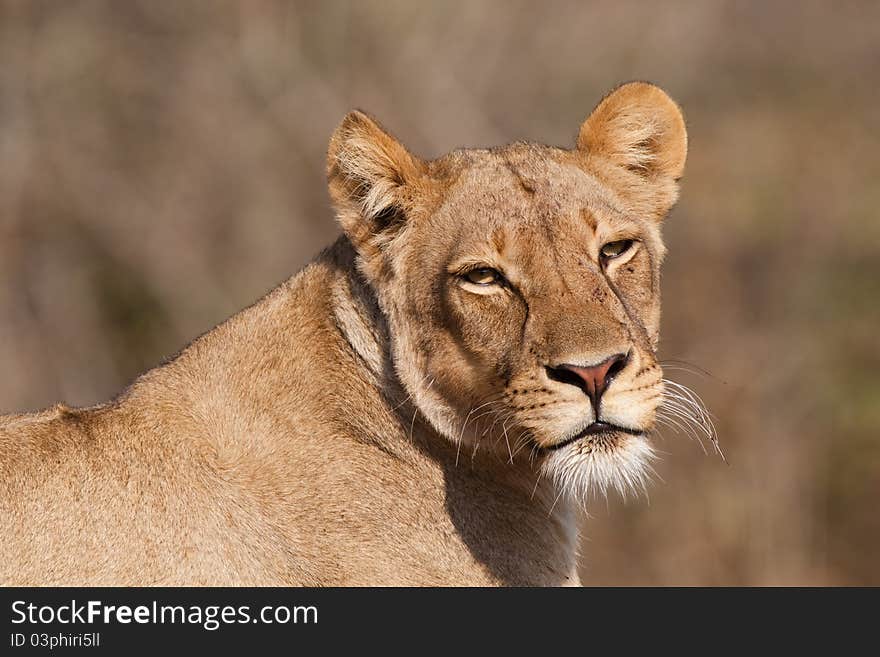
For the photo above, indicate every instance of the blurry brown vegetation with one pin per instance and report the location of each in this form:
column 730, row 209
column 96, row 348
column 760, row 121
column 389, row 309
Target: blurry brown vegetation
column 161, row 166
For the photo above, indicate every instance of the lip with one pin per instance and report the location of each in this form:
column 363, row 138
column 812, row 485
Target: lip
column 596, row 429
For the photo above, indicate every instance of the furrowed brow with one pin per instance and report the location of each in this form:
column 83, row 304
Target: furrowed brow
column 619, row 220
column 589, row 219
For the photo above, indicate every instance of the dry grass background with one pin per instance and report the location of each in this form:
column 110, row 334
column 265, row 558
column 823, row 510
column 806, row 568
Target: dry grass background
column 161, row 166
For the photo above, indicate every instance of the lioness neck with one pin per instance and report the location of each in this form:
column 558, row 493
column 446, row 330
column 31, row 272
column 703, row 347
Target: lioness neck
column 316, row 356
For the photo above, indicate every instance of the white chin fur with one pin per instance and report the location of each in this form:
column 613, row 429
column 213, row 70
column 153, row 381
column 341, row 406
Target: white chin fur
column 581, row 470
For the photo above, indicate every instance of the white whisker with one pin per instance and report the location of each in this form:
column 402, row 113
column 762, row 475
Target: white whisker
column 682, row 405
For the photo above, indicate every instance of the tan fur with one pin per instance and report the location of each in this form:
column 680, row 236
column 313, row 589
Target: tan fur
column 377, row 419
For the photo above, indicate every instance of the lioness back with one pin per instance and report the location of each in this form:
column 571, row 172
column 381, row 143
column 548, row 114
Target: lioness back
column 180, row 480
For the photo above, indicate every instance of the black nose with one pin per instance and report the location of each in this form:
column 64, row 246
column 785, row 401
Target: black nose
column 592, row 379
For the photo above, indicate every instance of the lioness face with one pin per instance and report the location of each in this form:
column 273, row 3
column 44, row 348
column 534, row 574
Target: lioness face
column 521, row 285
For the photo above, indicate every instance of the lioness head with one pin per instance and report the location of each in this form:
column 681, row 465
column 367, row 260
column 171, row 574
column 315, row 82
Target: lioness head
column 521, row 284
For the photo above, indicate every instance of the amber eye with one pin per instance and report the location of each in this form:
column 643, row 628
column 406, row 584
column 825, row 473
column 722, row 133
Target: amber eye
column 615, row 249
column 483, row 276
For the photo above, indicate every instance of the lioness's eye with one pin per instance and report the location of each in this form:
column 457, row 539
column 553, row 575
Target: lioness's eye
column 482, row 276
column 615, row 249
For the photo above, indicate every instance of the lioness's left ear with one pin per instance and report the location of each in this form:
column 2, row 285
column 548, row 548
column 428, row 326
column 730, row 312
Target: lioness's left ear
column 638, row 130
column 371, row 176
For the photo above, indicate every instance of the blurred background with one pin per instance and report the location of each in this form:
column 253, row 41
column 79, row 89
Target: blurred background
column 162, row 166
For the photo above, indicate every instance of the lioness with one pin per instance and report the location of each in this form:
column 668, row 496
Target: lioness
column 427, row 402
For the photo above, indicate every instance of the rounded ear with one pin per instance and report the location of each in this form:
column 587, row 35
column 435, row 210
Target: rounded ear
column 368, row 171
column 639, row 129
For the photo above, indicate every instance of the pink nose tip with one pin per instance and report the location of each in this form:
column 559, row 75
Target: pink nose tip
column 592, row 379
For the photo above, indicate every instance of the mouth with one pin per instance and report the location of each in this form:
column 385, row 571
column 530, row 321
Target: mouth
column 595, row 429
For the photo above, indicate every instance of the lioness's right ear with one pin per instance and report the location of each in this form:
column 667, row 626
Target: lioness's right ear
column 640, row 131
column 371, row 176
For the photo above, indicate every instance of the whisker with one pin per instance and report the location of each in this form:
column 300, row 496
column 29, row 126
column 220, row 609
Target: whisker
column 409, row 396
column 673, row 408
column 686, row 430
column 537, row 481
column 676, row 426
column 412, row 424
column 686, row 366
column 700, row 407
column 507, row 442
column 683, row 406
